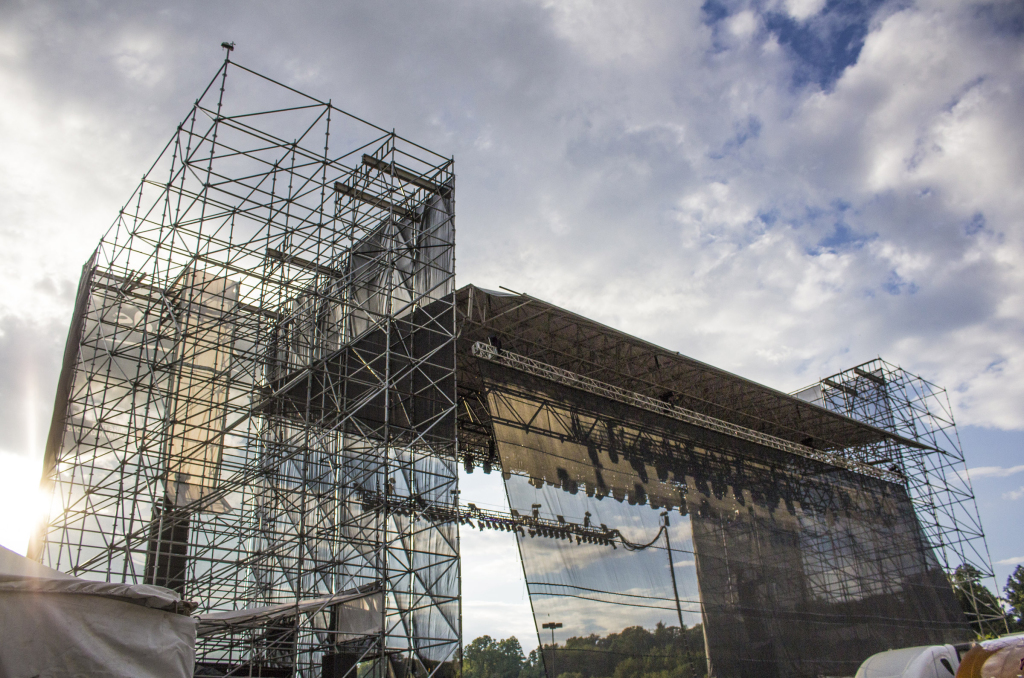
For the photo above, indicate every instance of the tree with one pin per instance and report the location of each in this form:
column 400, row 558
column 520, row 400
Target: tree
column 979, row 604
column 1014, row 593
column 634, row 652
column 487, row 658
column 533, row 667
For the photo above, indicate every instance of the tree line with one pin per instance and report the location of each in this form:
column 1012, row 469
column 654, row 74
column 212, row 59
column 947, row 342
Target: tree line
column 635, row 652
column 968, row 587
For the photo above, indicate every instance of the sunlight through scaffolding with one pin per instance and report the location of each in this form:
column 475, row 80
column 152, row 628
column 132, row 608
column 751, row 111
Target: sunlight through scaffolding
column 264, row 336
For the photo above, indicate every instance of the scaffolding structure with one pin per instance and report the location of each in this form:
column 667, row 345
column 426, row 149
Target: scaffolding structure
column 800, row 550
column 257, row 401
column 258, row 408
column 934, row 470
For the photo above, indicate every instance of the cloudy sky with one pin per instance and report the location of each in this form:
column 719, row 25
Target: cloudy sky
column 783, row 188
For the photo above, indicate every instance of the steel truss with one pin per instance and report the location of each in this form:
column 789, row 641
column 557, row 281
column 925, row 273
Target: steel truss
column 889, row 397
column 811, row 528
column 583, row 383
column 265, row 335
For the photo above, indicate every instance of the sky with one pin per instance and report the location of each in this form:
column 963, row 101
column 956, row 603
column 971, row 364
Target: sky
column 781, row 188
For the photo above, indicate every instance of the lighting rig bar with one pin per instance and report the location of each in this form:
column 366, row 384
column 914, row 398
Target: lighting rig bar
column 634, row 399
column 471, row 515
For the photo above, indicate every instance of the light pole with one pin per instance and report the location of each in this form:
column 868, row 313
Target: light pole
column 552, row 626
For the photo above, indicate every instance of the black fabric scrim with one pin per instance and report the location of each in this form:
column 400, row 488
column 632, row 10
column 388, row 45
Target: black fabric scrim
column 795, row 567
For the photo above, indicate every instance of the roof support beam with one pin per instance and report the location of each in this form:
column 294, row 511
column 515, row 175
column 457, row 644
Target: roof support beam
column 400, row 173
column 374, row 200
column 573, row 380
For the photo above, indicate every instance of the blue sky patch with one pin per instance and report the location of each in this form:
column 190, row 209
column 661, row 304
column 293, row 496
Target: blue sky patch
column 822, row 46
column 896, row 285
column 842, row 237
column 825, row 44
column 747, row 129
column 976, row 224
column 714, row 11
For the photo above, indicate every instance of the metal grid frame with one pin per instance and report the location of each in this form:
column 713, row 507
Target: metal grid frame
column 887, row 396
column 541, row 331
column 265, row 334
column 860, row 543
column 567, row 378
column 531, row 335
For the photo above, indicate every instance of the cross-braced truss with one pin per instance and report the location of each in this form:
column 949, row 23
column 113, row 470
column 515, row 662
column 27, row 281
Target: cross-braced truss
column 264, row 336
column 889, row 397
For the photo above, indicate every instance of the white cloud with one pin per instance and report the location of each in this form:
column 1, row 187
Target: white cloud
column 1014, row 495
column 803, row 9
column 141, row 57
column 993, row 471
column 608, row 32
column 1019, row 560
column 743, row 24
column 499, row 620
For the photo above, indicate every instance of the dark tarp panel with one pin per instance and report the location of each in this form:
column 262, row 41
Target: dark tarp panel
column 796, row 567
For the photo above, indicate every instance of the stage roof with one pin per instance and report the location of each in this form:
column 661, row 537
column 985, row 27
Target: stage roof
column 540, row 330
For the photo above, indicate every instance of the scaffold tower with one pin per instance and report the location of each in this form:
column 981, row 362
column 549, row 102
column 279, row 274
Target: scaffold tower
column 256, row 405
column 934, row 470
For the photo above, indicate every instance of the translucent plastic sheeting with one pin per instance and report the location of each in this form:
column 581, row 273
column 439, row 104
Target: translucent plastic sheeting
column 356, row 614
column 423, row 260
column 196, row 438
column 797, row 568
column 423, row 569
column 597, row 592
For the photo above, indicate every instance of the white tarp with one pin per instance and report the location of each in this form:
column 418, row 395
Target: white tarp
column 357, row 612
column 935, row 661
column 52, row 624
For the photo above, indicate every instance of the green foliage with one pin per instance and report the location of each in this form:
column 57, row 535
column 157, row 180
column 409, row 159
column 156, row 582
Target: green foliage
column 979, row 604
column 635, row 652
column 1014, row 593
column 487, row 658
column 533, row 667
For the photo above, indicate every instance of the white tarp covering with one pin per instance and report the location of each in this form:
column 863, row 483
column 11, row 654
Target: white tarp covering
column 936, row 661
column 52, row 624
column 357, row 611
column 995, row 658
